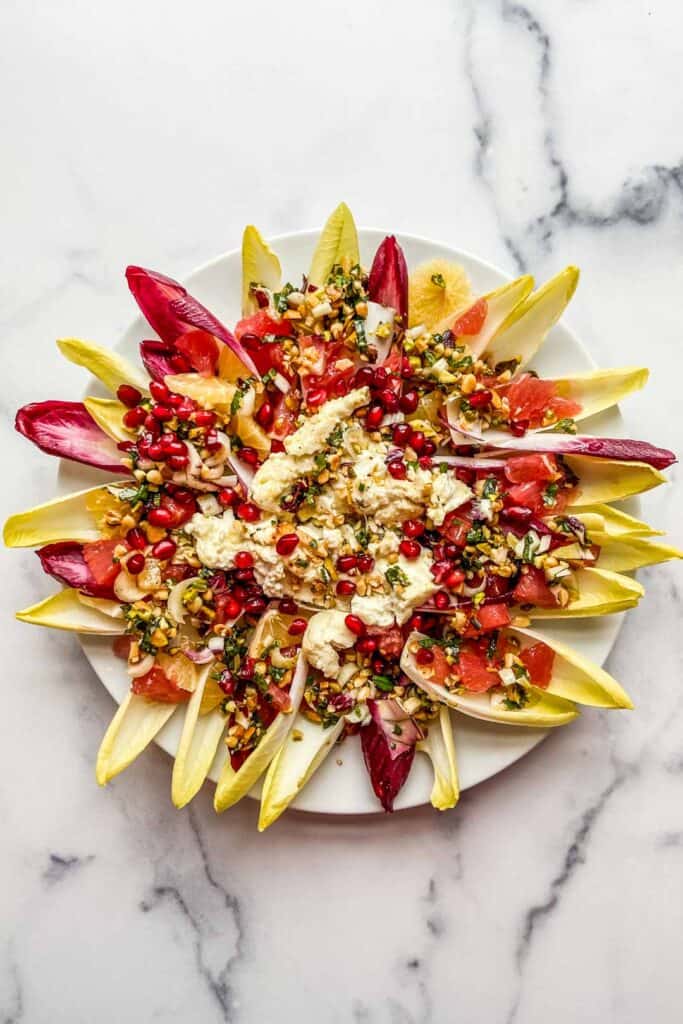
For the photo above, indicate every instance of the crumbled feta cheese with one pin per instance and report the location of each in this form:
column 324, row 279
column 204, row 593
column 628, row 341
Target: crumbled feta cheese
column 448, row 493
column 275, row 477
column 398, row 601
column 312, row 435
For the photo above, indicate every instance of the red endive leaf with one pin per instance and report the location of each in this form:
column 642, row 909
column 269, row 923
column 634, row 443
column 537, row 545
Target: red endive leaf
column 388, row 282
column 65, row 562
column 157, row 359
column 172, row 311
column 67, row 429
column 388, row 744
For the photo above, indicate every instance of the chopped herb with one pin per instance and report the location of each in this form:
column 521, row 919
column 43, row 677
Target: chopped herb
column 550, row 495
column 528, row 548
column 383, row 683
column 361, row 337
column 439, row 280
column 334, row 439
column 280, row 298
column 492, row 646
column 242, row 387
column 320, row 461
column 490, row 487
column 324, row 574
column 363, row 536
column 564, row 426
column 475, row 535
column 395, row 575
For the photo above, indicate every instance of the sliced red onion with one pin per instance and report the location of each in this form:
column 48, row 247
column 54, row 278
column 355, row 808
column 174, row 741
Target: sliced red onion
column 468, row 463
column 140, row 668
column 388, row 743
column 68, row 430
column 172, row 311
column 200, row 657
column 388, row 281
column 245, row 474
column 617, row 448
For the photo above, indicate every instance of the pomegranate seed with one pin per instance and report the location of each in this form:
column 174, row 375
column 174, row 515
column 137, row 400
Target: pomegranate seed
column 364, row 377
column 227, row 497
column 136, row 563
column 287, row 606
column 211, row 440
column 345, row 588
column 204, row 418
column 450, row 550
column 175, row 447
column 249, row 455
column 366, row 645
column 255, row 605
column 159, row 391
column 455, row 579
column 246, row 669
column 379, row 665
column 265, row 415
column 441, row 599
column 287, row 544
column 413, row 528
column 250, row 341
column 226, row 683
column 136, row 538
column 424, row 656
column 297, row 627
column 248, row 511
column 409, row 549
column 467, row 476
column 239, row 593
column 164, row 549
column 244, row 575
column 175, row 400
column 129, row 395
column 425, row 462
column 398, row 469
column 480, row 399
column 152, row 424
column 345, row 563
column 517, row 514
column 374, row 417
column 388, row 399
column 156, row 452
column 409, row 402
column 178, row 462
column 232, row 608
column 316, row 397
column 244, row 560
column 134, row 417
column 441, row 569
column 406, row 368
column 519, row 428
column 276, row 445
column 184, row 496
column 160, row 517
column 401, row 434
column 416, row 622
column 428, row 448
column 184, row 412
column 180, row 363
column 380, row 376
column 261, row 297
column 356, row 625
column 124, row 446
column 417, row 441
column 162, row 413
column 365, row 563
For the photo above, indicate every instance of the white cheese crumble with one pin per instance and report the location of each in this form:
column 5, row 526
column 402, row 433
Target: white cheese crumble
column 312, row 436
column 448, row 493
column 327, row 633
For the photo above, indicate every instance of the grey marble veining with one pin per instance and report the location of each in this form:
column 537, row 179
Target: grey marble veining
column 533, row 134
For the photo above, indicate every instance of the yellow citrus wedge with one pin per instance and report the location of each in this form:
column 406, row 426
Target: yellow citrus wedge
column 437, row 290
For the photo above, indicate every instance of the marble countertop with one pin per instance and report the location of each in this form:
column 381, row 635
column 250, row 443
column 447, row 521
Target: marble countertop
column 533, row 136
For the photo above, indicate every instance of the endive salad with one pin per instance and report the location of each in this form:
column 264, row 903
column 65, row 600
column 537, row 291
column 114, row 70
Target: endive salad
column 350, row 512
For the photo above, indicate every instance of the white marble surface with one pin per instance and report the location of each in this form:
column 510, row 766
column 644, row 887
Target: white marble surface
column 534, row 136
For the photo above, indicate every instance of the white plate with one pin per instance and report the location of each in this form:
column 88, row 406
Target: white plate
column 341, row 786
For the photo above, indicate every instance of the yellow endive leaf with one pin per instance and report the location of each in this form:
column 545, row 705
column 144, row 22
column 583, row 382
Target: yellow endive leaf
column 525, row 329
column 600, row 389
column 500, row 305
column 301, row 754
column 631, row 553
column 600, row 592
column 605, row 480
column 338, row 244
column 439, row 745
column 233, row 785
column 576, row 678
column 603, row 520
column 66, row 518
column 260, row 266
column 545, row 711
column 133, row 727
column 64, row 610
column 109, row 367
column 108, row 415
column 198, row 745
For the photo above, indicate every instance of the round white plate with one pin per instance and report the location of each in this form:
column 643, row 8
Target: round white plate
column 341, row 785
